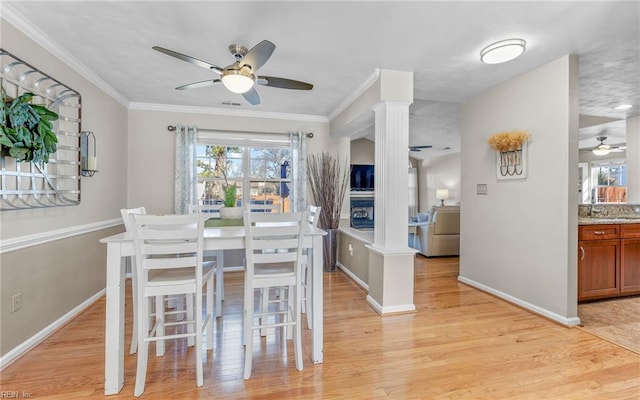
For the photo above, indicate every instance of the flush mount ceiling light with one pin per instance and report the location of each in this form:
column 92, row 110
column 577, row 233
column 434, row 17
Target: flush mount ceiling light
column 502, row 51
column 623, row 107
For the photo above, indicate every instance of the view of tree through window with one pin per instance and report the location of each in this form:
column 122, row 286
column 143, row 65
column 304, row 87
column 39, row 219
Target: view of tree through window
column 264, row 170
column 611, row 182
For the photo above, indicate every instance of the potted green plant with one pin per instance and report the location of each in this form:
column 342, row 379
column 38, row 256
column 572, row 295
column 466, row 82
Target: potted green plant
column 26, row 130
column 230, row 210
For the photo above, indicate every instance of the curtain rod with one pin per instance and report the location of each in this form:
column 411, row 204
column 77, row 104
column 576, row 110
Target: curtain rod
column 172, row 128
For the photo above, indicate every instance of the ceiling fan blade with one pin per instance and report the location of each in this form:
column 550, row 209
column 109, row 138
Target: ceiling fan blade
column 252, row 96
column 188, row 59
column 283, row 83
column 258, row 55
column 417, row 148
column 196, row 85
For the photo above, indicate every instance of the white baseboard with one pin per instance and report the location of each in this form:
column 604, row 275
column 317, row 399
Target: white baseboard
column 524, row 304
column 353, row 276
column 36, row 339
column 402, row 308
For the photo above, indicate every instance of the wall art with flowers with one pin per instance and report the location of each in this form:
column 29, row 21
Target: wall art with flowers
column 511, row 154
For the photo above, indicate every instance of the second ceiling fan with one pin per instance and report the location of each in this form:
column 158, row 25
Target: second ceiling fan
column 603, row 149
column 240, row 77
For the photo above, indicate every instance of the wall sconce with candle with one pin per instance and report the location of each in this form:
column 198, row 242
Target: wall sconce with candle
column 88, row 154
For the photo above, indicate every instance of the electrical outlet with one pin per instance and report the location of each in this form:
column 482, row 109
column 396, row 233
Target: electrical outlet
column 481, row 188
column 16, row 302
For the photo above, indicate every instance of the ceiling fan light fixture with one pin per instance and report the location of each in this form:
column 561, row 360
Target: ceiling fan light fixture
column 237, row 81
column 601, row 150
column 502, row 51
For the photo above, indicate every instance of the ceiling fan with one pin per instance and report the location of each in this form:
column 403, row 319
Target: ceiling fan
column 240, row 77
column 604, row 149
column 419, row 148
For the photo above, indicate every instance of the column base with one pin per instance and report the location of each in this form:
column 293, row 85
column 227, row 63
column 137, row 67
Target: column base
column 391, row 280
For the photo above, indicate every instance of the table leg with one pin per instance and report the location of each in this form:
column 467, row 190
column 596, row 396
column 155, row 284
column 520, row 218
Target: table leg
column 317, row 355
column 219, row 282
column 114, row 326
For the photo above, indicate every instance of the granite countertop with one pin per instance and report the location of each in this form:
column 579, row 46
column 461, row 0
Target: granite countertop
column 604, row 221
column 608, row 213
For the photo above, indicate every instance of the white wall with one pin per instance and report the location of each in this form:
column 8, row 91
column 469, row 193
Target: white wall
column 519, row 241
column 633, row 160
column 438, row 173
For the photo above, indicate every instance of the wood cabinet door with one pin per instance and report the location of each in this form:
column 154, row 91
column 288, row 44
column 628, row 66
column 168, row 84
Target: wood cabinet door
column 630, row 265
column 598, row 269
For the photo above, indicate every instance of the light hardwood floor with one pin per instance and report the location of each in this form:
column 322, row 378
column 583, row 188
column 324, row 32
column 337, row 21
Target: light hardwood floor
column 460, row 344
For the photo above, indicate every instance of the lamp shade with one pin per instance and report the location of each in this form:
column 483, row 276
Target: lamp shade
column 442, row 194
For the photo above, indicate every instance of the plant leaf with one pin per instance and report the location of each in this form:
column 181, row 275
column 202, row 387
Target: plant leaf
column 19, row 153
column 44, row 112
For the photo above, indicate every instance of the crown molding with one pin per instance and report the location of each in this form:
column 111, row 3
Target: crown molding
column 19, row 21
column 355, row 94
column 226, row 112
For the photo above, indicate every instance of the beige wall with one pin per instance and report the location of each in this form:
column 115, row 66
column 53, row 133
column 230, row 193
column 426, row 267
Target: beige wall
column 363, row 151
column 152, row 145
column 102, row 195
column 56, row 277
column 53, row 278
column 357, row 261
column 520, row 239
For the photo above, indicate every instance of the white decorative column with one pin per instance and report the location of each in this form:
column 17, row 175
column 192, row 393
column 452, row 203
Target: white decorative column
column 633, row 160
column 390, row 258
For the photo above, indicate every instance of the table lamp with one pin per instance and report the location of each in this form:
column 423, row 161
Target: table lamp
column 442, row 195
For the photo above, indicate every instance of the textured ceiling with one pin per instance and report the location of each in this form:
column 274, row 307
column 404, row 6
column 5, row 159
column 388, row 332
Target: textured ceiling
column 337, row 45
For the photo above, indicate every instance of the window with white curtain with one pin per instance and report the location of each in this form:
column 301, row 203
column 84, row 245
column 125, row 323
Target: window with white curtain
column 260, row 167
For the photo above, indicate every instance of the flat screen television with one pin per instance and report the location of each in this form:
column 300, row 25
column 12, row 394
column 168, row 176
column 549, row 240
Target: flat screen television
column 362, row 177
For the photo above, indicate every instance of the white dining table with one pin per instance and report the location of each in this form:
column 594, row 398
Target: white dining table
column 120, row 246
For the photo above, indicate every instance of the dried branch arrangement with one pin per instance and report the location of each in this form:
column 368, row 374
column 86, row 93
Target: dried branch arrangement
column 508, row 141
column 329, row 183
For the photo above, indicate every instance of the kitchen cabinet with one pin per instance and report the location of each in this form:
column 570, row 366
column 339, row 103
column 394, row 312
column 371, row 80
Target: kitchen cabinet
column 608, row 260
column 630, row 258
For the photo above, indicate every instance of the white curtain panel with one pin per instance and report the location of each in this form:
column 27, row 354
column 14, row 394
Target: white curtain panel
column 299, row 170
column 185, row 178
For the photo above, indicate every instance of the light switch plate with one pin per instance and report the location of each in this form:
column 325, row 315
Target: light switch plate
column 481, row 188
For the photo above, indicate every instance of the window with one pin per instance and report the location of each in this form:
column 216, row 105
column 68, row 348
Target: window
column 264, row 170
column 610, row 181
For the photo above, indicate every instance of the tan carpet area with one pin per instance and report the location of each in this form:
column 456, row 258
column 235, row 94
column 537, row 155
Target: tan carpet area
column 616, row 320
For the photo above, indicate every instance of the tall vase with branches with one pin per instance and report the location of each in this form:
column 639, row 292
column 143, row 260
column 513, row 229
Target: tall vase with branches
column 329, row 181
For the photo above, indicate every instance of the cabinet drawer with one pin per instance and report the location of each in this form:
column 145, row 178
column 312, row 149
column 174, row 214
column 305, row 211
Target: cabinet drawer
column 630, row 231
column 598, row 232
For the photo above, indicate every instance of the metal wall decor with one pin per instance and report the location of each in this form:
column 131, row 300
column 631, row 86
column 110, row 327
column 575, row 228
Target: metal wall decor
column 512, row 164
column 511, row 154
column 57, row 182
